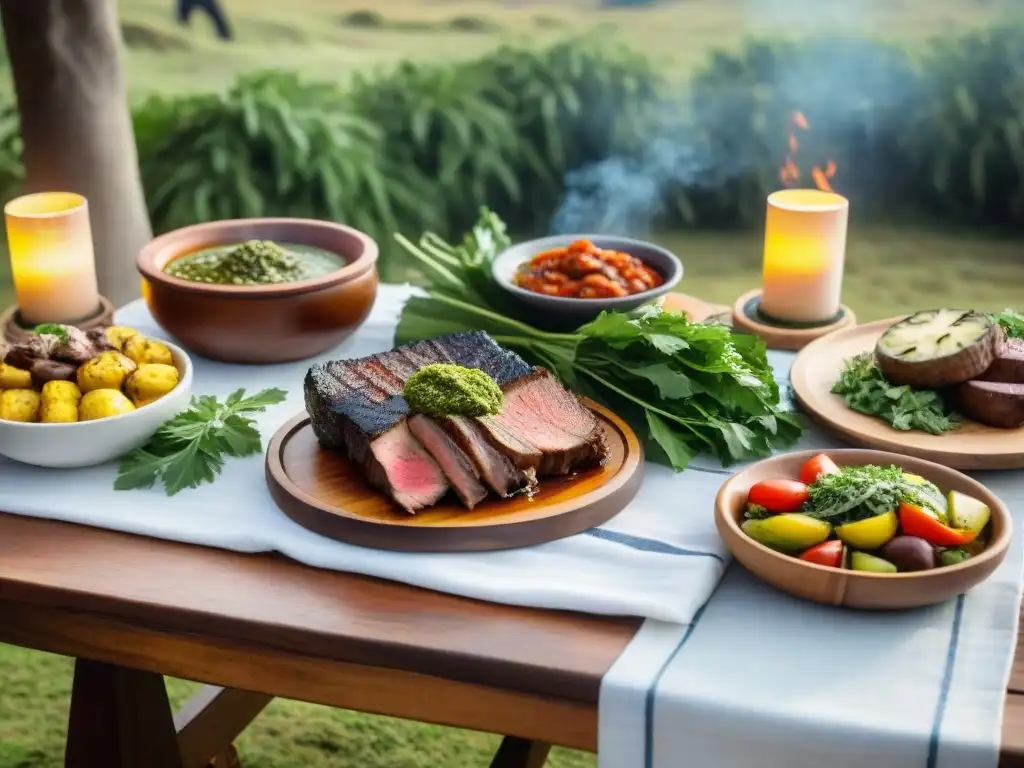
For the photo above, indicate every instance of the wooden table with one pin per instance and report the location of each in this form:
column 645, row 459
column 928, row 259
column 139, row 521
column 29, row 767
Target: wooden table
column 256, row 626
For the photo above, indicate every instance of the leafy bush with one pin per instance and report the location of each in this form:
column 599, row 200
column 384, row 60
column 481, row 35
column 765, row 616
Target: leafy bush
column 436, row 122
column 273, row 146
column 965, row 135
column 575, row 103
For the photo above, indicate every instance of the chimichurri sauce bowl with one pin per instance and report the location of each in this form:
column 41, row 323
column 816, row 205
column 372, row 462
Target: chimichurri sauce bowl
column 260, row 290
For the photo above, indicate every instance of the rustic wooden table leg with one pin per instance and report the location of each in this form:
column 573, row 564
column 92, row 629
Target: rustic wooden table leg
column 120, row 718
column 520, row 753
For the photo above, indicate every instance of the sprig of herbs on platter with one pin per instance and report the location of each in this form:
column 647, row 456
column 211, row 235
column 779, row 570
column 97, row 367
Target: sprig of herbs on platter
column 691, row 388
column 1012, row 322
column 864, row 389
column 51, row 329
column 191, row 448
column 858, row 493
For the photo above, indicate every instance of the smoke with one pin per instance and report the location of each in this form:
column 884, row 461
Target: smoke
column 624, row 195
column 851, row 90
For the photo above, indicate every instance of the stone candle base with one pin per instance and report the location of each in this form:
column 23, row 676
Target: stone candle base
column 747, row 317
column 15, row 331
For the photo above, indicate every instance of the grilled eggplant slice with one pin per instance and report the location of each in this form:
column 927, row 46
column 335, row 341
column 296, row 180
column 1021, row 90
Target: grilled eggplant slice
column 938, row 348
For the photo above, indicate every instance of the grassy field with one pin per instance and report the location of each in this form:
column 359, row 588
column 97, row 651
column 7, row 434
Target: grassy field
column 334, row 38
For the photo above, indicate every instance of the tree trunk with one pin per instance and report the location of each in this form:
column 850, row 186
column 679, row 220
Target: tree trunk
column 66, row 61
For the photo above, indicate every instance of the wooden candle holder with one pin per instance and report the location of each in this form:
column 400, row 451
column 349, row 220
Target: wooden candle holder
column 747, row 317
column 15, row 331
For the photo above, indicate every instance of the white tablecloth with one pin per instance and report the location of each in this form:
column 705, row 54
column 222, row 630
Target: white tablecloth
column 762, row 679
column 660, row 558
column 743, row 677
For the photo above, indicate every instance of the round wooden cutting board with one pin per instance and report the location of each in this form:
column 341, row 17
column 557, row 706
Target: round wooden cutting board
column 815, row 370
column 322, row 490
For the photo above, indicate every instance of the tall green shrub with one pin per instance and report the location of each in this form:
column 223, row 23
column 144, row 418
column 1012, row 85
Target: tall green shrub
column 572, row 104
column 274, row 146
column 965, row 135
column 437, row 124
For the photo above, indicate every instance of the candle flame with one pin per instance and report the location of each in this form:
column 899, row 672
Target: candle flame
column 789, row 172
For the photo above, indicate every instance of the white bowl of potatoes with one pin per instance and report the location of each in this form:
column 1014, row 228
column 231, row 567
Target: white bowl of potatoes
column 74, row 399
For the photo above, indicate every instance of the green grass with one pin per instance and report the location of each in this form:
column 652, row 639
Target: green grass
column 318, row 38
column 889, row 271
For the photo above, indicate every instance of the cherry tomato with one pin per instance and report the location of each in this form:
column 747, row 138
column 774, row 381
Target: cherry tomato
column 828, row 553
column 917, row 522
column 778, row 494
column 815, row 467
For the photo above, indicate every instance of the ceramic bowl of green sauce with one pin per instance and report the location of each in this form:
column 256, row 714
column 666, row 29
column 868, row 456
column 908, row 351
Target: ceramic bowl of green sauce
column 260, row 290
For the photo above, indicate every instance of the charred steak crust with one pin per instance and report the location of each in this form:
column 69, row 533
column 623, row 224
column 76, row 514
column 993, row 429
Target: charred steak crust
column 1008, row 365
column 367, row 391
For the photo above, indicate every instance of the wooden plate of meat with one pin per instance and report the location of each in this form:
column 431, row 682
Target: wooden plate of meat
column 360, row 468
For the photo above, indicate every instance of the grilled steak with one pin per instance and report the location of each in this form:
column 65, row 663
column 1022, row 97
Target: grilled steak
column 399, row 465
column 355, row 404
column 494, row 467
column 995, row 403
column 542, row 426
column 1008, row 365
column 461, row 474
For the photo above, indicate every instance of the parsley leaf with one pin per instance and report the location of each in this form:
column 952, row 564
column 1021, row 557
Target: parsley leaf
column 52, row 329
column 866, row 390
column 189, row 450
column 1012, row 322
column 858, row 493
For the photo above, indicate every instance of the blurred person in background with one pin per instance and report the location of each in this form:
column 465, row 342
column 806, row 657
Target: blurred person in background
column 213, row 10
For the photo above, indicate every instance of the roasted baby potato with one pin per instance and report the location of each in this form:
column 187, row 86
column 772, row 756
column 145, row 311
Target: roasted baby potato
column 58, row 411
column 14, row 378
column 102, row 404
column 61, row 391
column 150, row 382
column 142, row 350
column 107, row 370
column 19, row 405
column 117, row 335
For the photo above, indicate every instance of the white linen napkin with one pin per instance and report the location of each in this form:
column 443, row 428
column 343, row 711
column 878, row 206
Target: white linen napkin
column 660, row 558
column 762, row 679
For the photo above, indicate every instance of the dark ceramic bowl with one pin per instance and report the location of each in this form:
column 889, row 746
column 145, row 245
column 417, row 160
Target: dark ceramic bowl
column 559, row 311
column 262, row 323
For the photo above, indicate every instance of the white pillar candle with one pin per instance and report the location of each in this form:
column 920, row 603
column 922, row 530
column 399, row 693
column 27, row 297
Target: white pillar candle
column 52, row 260
column 804, row 251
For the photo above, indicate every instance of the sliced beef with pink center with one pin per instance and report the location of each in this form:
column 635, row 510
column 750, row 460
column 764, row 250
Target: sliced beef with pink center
column 399, row 465
column 457, row 467
column 543, row 426
column 496, row 469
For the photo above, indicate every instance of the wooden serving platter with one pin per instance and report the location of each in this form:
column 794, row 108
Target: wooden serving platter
column 815, row 370
column 323, row 491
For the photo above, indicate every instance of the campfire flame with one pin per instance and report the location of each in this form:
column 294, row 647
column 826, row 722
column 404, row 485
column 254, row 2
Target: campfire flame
column 789, row 173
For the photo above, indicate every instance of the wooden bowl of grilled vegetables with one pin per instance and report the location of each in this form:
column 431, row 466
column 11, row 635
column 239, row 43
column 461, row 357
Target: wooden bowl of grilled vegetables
column 74, row 398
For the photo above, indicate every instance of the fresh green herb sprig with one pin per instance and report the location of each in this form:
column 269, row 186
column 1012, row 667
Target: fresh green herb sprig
column 51, row 329
column 689, row 387
column 857, row 493
column 1012, row 322
column 865, row 390
column 756, row 512
column 190, row 449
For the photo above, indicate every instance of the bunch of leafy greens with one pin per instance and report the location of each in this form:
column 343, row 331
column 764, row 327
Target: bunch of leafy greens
column 857, row 493
column 190, row 449
column 689, row 387
column 1012, row 322
column 865, row 390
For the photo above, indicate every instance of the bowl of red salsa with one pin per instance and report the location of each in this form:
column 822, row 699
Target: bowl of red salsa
column 573, row 278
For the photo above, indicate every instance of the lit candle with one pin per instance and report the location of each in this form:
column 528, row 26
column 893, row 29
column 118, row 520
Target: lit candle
column 804, row 250
column 52, row 261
